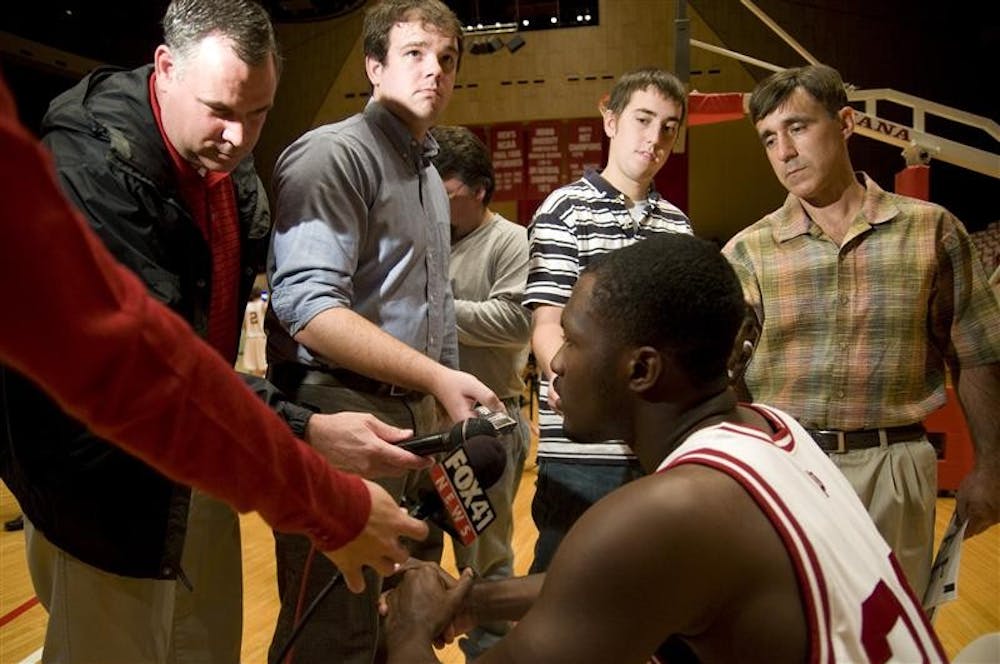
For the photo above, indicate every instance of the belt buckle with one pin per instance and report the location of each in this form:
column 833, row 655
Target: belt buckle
column 841, row 439
column 397, row 391
column 841, row 442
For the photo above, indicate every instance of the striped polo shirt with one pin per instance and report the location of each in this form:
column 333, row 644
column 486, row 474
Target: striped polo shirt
column 574, row 224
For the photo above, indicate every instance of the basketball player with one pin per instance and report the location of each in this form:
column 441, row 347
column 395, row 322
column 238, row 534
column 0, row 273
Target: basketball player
column 745, row 543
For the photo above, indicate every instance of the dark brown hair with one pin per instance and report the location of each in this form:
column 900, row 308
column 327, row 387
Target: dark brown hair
column 380, row 19
column 661, row 80
column 821, row 81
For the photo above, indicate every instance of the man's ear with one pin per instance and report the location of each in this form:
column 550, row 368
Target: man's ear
column 746, row 340
column 163, row 63
column 846, row 116
column 373, row 68
column 610, row 122
column 645, row 367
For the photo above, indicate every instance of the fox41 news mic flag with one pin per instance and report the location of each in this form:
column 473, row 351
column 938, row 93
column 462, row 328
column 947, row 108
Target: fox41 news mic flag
column 468, row 507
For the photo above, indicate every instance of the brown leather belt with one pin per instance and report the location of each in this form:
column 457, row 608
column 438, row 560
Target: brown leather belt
column 839, row 442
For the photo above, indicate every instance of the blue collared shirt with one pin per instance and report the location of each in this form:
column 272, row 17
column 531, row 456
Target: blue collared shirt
column 362, row 222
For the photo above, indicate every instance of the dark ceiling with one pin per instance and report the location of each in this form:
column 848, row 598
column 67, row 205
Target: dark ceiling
column 124, row 32
column 945, row 55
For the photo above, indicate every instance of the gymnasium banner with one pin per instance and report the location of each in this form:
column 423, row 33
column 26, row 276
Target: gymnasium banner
column 507, row 149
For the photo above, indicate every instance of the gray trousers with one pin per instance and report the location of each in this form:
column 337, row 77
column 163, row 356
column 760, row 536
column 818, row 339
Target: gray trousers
column 345, row 627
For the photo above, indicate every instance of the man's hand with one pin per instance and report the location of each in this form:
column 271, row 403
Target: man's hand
column 362, row 444
column 978, row 500
column 552, row 398
column 546, row 340
column 458, row 392
column 978, row 497
column 378, row 545
column 420, row 608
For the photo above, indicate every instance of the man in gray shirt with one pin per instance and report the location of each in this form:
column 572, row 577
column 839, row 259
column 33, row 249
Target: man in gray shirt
column 489, row 268
column 361, row 316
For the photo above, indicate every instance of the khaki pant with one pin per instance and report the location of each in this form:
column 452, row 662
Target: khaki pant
column 491, row 556
column 898, row 486
column 100, row 618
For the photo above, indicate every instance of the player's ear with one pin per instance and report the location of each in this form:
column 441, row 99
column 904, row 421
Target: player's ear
column 644, row 368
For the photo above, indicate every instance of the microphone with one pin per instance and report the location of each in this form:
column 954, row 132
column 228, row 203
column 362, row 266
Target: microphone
column 452, row 439
column 457, row 501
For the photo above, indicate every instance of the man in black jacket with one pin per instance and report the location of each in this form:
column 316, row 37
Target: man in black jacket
column 131, row 566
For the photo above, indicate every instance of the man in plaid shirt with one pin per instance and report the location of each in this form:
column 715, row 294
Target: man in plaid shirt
column 864, row 298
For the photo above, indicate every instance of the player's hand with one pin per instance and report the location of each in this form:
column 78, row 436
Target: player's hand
column 461, row 622
column 423, row 605
column 378, row 545
column 362, row 444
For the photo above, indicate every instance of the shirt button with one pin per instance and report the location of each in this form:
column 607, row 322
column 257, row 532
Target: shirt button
column 844, row 299
column 840, row 394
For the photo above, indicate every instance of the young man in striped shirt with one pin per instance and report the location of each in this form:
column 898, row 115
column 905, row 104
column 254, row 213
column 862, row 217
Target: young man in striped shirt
column 592, row 216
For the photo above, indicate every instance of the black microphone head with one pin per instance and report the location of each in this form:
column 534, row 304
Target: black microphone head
column 458, row 502
column 476, row 426
column 487, row 458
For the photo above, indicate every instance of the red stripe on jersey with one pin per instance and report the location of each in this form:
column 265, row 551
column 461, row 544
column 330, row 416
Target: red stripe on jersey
column 796, row 542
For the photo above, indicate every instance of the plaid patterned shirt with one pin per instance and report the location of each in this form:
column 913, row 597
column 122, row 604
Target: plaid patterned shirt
column 576, row 223
column 857, row 336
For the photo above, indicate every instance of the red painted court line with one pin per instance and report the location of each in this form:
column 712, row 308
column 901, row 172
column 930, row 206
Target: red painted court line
column 18, row 611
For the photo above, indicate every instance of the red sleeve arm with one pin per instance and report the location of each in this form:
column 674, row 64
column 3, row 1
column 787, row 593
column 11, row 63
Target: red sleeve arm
column 84, row 328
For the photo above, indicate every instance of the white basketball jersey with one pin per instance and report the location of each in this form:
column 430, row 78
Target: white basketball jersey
column 858, row 606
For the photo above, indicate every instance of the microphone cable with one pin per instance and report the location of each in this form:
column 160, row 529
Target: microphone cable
column 486, row 455
column 301, row 621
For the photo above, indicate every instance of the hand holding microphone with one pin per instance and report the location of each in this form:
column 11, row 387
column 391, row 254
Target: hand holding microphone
column 486, row 423
column 450, row 440
column 361, row 443
column 456, row 500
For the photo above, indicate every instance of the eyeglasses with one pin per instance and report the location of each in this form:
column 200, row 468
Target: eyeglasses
column 462, row 190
